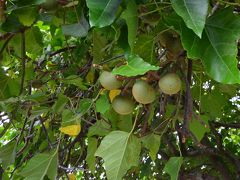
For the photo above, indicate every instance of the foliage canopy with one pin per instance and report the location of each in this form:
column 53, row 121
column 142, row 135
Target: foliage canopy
column 57, row 121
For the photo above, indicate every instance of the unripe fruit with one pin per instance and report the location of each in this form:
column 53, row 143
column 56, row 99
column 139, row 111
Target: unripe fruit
column 170, row 84
column 143, row 92
column 123, row 105
column 109, row 81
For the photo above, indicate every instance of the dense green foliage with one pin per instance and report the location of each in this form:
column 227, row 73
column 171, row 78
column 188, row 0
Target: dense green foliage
column 57, row 121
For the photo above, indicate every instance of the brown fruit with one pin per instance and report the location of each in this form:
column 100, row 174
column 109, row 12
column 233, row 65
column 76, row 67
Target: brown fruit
column 109, row 81
column 170, row 84
column 143, row 92
column 123, row 105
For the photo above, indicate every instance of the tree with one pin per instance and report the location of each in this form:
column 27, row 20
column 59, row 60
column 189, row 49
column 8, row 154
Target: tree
column 166, row 105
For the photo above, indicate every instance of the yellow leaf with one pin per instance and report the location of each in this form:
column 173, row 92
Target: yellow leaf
column 72, row 130
column 90, row 76
column 114, row 93
column 71, row 176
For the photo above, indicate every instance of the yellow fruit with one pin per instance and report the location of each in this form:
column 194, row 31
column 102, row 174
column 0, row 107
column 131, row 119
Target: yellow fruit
column 123, row 105
column 170, row 84
column 109, row 81
column 143, row 92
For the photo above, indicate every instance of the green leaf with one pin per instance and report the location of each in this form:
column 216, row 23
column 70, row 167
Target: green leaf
column 76, row 81
column 9, row 87
column 7, row 154
column 41, row 165
column 144, row 47
column 194, row 13
column 99, row 43
column 91, row 149
column 77, row 30
column 172, row 167
column 69, row 118
column 102, row 104
column 131, row 17
column 11, row 24
column 102, row 13
column 152, row 143
column 60, row 103
column 135, row 66
column 27, row 15
column 218, row 48
column 84, row 106
column 199, row 127
column 120, row 151
column 118, row 121
column 124, row 122
column 34, row 41
column 213, row 103
column 100, row 128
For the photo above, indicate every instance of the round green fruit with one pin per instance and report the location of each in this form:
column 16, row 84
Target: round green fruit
column 143, row 92
column 123, row 105
column 109, row 81
column 170, row 84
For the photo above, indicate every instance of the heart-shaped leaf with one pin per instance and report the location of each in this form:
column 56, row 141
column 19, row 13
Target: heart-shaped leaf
column 218, row 46
column 120, row 151
column 135, row 66
column 194, row 13
column 102, row 13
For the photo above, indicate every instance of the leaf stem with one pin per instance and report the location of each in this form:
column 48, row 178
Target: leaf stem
column 153, row 11
column 135, row 121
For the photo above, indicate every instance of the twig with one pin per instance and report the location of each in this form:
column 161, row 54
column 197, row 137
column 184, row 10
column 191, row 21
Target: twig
column 215, row 7
column 23, row 62
column 6, row 43
column 29, row 136
column 111, row 59
column 72, row 168
column 45, row 131
column 62, row 50
column 5, row 36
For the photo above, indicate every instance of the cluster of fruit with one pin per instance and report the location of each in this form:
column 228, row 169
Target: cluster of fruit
column 142, row 92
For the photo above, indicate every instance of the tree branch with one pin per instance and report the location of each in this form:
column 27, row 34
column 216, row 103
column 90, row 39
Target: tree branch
column 226, row 125
column 62, row 50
